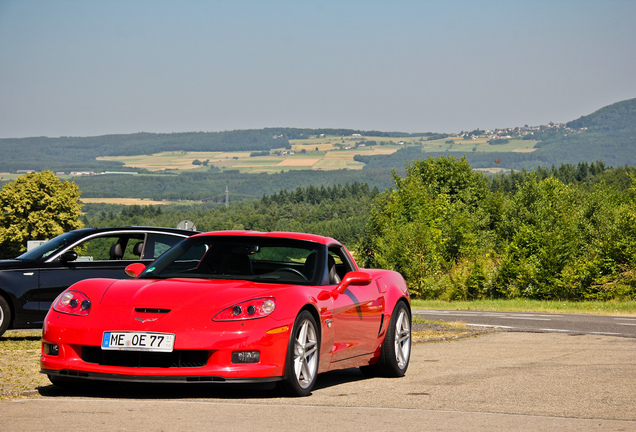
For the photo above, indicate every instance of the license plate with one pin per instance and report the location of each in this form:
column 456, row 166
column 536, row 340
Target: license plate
column 138, row 341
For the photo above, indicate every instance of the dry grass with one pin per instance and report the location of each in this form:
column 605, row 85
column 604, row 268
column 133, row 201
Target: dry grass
column 20, row 363
column 433, row 331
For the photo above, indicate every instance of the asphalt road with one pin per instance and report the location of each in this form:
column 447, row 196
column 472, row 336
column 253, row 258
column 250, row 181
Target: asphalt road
column 623, row 326
column 510, row 381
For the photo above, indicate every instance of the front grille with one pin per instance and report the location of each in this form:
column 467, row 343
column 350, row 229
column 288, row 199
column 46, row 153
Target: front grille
column 144, row 359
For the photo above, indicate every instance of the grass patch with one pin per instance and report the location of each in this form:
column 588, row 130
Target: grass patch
column 525, row 305
column 423, row 330
column 20, row 363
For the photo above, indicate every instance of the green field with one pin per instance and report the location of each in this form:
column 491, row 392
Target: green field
column 478, row 145
column 320, row 153
column 9, row 176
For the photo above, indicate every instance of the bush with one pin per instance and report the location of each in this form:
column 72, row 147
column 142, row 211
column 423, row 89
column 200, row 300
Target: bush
column 453, row 238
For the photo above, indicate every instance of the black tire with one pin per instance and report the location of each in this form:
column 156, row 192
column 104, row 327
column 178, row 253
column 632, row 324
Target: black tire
column 396, row 348
column 5, row 315
column 303, row 355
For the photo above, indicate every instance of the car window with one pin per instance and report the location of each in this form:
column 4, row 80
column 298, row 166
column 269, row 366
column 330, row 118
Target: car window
column 157, row 244
column 109, row 247
column 258, row 259
column 50, row 247
column 340, row 257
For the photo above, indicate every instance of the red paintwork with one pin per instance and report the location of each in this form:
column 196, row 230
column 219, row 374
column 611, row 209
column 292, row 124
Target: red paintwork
column 354, row 337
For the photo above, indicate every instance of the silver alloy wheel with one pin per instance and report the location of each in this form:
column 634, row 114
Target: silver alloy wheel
column 305, row 358
column 402, row 339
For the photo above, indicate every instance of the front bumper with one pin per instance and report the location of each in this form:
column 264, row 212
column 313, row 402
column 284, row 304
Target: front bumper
column 69, row 373
column 77, row 352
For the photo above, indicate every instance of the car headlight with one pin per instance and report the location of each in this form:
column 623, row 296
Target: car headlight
column 72, row 302
column 250, row 309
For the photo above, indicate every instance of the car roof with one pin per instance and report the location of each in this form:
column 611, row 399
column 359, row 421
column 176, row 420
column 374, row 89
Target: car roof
column 274, row 234
column 137, row 229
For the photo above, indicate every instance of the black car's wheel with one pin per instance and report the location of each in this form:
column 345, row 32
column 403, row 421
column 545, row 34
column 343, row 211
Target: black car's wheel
column 396, row 349
column 5, row 315
column 301, row 366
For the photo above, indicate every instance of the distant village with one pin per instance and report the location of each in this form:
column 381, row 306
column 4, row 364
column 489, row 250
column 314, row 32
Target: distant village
column 517, row 132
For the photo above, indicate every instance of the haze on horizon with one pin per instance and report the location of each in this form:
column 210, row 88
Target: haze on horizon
column 85, row 68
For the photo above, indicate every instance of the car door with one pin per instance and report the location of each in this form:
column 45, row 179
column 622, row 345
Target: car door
column 101, row 256
column 22, row 283
column 357, row 314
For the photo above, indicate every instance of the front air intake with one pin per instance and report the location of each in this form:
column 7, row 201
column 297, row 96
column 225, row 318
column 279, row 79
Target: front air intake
column 144, row 359
column 152, row 310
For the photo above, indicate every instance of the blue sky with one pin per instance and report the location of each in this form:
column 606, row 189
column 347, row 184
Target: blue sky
column 95, row 67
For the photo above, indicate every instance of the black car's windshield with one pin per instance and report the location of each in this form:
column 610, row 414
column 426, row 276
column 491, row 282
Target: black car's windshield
column 50, row 247
column 248, row 258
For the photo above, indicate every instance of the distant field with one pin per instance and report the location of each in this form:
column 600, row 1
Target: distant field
column 478, row 145
column 8, row 176
column 327, row 153
column 320, row 153
column 124, row 201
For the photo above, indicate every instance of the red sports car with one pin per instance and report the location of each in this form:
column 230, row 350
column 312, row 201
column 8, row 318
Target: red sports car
column 232, row 306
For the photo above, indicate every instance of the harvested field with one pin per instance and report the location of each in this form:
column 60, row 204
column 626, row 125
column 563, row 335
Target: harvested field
column 123, row 201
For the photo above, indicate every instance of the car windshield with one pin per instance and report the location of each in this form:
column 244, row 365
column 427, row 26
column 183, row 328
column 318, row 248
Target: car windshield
column 50, row 247
column 248, row 258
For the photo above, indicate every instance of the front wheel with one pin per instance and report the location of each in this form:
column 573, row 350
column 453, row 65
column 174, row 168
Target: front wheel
column 396, row 349
column 301, row 366
column 5, row 315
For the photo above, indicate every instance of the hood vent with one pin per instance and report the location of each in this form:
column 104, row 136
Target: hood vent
column 152, row 310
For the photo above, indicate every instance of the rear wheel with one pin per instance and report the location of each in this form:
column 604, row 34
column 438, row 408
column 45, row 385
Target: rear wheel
column 5, row 315
column 301, row 366
column 396, row 349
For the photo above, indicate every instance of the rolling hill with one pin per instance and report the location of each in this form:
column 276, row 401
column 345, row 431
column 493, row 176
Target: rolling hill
column 254, row 165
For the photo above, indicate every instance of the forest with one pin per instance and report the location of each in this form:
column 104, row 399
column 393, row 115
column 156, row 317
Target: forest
column 210, row 187
column 566, row 232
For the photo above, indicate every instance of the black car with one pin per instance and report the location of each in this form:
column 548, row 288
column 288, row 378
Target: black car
column 32, row 281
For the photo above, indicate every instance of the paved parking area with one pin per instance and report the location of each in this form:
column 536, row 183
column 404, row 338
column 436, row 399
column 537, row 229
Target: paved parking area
column 504, row 381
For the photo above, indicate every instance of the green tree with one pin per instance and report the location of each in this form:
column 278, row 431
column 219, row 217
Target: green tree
column 36, row 206
column 432, row 221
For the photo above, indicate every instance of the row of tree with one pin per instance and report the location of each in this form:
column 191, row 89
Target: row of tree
column 211, row 186
column 338, row 211
column 558, row 233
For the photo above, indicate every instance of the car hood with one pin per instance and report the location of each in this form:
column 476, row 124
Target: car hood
column 183, row 293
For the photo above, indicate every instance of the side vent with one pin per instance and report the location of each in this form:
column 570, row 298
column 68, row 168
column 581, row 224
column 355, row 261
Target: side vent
column 381, row 324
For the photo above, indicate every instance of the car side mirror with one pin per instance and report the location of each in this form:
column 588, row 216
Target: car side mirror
column 68, row 256
column 354, row 278
column 134, row 270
